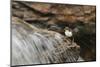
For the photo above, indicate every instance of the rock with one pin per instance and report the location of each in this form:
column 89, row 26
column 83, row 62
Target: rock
column 60, row 12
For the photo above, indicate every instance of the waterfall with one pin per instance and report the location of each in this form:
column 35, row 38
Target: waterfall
column 31, row 45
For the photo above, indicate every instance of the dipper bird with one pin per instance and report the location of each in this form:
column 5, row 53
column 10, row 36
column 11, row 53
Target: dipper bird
column 68, row 32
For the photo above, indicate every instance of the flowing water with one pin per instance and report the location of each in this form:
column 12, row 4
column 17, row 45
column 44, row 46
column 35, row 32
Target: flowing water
column 31, row 45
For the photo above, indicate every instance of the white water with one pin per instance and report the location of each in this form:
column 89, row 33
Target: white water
column 33, row 46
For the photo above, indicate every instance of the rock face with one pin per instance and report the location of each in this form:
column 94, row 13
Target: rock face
column 31, row 45
column 58, row 15
column 59, row 12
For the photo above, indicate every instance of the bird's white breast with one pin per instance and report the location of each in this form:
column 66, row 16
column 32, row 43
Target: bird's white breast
column 68, row 33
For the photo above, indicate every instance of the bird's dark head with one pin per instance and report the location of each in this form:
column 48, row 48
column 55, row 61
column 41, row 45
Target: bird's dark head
column 67, row 28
